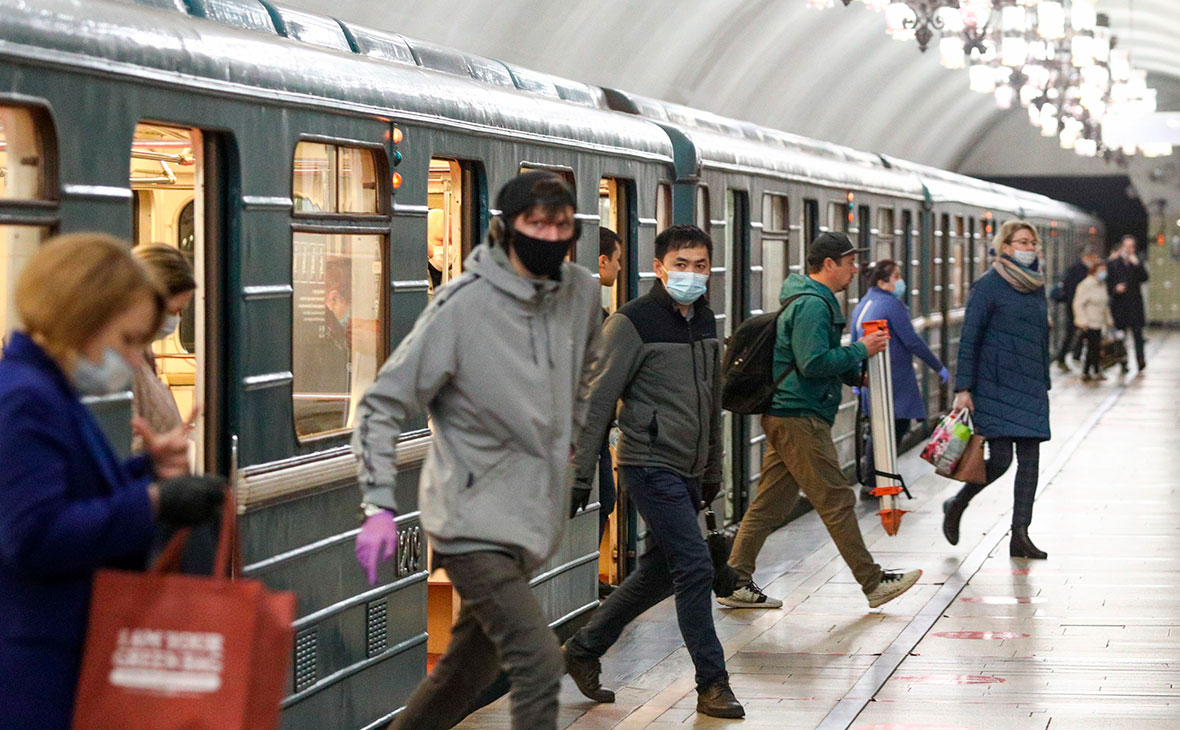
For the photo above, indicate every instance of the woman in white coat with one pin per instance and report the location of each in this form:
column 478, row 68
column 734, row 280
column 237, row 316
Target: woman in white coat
column 1091, row 312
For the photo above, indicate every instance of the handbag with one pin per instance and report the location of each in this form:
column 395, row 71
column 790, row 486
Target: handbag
column 178, row 652
column 972, row 466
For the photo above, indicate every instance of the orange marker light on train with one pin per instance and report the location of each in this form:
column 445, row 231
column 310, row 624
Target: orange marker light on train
column 397, row 180
column 397, row 136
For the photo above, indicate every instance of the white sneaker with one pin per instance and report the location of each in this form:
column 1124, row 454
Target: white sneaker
column 892, row 585
column 750, row 596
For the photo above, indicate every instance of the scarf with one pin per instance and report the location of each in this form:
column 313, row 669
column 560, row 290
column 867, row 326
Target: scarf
column 1021, row 279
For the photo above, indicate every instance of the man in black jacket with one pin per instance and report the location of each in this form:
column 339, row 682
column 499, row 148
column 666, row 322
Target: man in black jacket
column 661, row 355
column 1072, row 340
column 1124, row 275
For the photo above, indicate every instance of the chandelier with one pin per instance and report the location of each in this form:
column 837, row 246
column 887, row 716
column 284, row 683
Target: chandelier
column 1056, row 58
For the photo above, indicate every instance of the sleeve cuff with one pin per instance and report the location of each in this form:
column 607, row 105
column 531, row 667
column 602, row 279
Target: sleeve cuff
column 380, row 495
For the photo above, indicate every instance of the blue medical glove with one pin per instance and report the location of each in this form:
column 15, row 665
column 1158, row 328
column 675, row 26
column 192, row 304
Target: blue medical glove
column 376, row 543
column 856, row 390
column 944, row 375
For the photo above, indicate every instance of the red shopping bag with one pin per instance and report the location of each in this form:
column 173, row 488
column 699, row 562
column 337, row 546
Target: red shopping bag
column 178, row 652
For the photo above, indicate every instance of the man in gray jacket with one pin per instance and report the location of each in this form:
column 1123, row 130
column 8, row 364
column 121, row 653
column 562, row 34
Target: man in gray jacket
column 661, row 355
column 501, row 361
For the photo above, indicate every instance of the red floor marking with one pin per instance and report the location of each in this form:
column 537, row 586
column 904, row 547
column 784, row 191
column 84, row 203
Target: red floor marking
column 981, row 635
column 949, row 679
column 1003, row 600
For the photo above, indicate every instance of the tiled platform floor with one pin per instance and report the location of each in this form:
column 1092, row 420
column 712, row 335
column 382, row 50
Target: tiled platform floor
column 1088, row 639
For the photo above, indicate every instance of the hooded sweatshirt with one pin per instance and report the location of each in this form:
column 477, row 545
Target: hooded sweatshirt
column 502, row 364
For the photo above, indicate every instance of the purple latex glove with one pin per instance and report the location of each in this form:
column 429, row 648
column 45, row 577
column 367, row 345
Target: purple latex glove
column 376, row 543
column 944, row 375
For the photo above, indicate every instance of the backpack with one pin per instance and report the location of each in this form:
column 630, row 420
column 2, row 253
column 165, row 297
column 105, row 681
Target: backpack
column 747, row 373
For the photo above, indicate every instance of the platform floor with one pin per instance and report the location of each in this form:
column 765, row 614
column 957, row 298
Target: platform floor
column 1089, row 638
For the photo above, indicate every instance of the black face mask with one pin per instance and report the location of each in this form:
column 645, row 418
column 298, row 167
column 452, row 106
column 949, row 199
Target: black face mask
column 539, row 256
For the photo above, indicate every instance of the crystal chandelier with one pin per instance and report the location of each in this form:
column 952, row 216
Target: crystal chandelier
column 1056, row 58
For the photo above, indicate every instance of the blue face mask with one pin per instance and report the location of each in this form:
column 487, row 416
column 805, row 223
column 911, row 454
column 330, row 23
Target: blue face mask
column 685, row 286
column 899, row 289
column 112, row 375
column 1102, row 275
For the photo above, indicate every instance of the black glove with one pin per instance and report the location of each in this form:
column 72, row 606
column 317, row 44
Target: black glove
column 709, row 491
column 190, row 500
column 580, row 498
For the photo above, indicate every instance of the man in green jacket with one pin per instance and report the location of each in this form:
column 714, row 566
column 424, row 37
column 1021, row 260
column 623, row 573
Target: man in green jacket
column 800, row 454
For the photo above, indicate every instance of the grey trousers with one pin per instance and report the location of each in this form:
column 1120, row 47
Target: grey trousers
column 500, row 625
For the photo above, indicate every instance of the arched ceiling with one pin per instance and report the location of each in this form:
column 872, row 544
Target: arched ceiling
column 830, row 74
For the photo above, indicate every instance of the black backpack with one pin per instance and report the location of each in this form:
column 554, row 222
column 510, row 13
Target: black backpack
column 747, row 373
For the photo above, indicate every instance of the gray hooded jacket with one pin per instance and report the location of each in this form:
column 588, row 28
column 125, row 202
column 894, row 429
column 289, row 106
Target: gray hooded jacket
column 502, row 365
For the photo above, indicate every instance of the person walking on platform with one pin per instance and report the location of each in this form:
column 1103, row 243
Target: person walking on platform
column 1125, row 274
column 1003, row 377
column 800, row 453
column 1091, row 312
column 501, row 360
column 661, row 355
column 69, row 505
column 885, row 299
column 1072, row 338
column 610, row 262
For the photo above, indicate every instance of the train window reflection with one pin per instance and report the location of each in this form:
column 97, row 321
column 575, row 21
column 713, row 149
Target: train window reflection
column 883, row 246
column 776, row 258
column 22, row 160
column 336, row 339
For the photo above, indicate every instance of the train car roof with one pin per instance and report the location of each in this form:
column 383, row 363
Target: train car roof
column 237, row 47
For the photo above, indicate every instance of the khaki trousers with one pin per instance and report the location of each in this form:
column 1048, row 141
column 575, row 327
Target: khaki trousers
column 800, row 455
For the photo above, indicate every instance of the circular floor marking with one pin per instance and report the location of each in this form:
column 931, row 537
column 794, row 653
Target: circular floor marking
column 1003, row 600
column 980, row 635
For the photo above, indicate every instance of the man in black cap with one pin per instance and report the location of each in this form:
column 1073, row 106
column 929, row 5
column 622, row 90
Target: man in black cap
column 800, row 454
column 501, row 360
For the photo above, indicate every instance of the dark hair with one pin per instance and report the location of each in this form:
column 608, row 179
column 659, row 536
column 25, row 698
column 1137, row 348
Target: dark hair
column 880, row 271
column 338, row 278
column 675, row 238
column 608, row 242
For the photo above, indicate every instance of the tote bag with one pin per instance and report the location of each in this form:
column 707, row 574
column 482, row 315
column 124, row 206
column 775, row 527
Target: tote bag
column 179, row 652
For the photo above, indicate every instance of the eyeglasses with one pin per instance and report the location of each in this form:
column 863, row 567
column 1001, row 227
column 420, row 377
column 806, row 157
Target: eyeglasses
column 1027, row 241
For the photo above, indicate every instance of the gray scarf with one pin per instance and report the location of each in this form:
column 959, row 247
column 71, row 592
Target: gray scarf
column 1022, row 280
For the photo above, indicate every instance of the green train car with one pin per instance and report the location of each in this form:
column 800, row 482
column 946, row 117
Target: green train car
column 324, row 178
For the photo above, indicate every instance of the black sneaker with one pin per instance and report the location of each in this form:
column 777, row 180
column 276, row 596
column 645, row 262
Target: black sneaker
column 718, row 700
column 584, row 671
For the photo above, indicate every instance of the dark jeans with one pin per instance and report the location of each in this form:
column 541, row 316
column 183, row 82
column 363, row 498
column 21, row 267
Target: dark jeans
column 1137, row 335
column 500, row 624
column 606, row 488
column 1093, row 350
column 1072, row 341
column 676, row 561
column 999, row 458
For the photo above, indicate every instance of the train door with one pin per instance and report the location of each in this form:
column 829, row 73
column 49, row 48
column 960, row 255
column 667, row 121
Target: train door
column 744, row 266
column 616, row 549
column 450, row 232
column 178, row 180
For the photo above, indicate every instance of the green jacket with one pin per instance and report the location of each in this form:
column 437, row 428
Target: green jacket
column 809, row 339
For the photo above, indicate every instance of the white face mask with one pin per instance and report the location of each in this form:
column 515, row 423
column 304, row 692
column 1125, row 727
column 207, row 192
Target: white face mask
column 686, row 286
column 168, row 326
column 112, row 375
column 1025, row 258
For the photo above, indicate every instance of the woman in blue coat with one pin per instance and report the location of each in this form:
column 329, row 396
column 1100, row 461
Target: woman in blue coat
column 68, row 505
column 1003, row 376
column 885, row 299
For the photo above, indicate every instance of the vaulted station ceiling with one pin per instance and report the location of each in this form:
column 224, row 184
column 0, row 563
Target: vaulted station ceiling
column 831, row 74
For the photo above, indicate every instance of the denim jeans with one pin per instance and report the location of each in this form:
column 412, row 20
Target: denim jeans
column 676, row 562
column 606, row 488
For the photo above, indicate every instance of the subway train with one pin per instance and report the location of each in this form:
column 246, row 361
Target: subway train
column 324, row 178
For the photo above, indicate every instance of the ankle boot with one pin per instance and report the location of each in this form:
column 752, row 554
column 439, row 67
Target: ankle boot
column 952, row 511
column 1022, row 547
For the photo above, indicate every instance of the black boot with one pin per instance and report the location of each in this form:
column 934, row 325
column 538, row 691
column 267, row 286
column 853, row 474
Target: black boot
column 1022, row 547
column 952, row 511
column 584, row 671
column 717, row 700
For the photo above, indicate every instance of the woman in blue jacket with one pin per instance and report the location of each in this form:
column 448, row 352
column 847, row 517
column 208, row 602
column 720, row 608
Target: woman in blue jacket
column 68, row 505
column 885, row 299
column 1003, row 376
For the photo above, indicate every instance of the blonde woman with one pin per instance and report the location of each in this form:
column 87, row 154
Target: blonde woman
column 1003, row 376
column 68, row 505
column 173, row 275
column 1091, row 312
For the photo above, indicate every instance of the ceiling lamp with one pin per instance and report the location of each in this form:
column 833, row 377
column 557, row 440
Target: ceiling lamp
column 1057, row 58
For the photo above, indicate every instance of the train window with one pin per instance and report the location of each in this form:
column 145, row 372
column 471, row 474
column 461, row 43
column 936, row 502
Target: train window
column 838, row 217
column 22, row 157
column 614, row 214
column 883, row 246
column 334, row 179
column 864, row 228
column 703, row 220
column 810, row 226
column 337, row 276
column 564, row 173
column 663, row 207
column 776, row 256
column 17, row 246
column 164, row 176
column 451, row 222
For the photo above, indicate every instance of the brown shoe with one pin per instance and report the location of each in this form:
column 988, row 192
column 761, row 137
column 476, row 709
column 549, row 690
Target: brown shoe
column 584, row 671
column 717, row 700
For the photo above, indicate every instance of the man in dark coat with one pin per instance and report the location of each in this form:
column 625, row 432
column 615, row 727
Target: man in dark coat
column 1124, row 275
column 1072, row 341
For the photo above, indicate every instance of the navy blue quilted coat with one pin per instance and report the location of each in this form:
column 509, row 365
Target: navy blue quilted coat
column 1004, row 359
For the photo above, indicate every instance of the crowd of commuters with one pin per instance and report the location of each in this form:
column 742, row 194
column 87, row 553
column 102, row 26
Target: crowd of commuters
column 495, row 491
